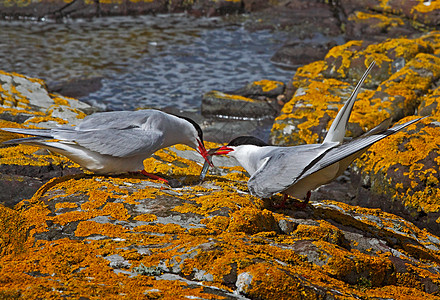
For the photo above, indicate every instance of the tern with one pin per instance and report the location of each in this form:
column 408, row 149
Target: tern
column 116, row 142
column 297, row 170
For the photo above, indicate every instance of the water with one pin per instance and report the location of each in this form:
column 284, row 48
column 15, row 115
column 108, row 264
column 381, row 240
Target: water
column 149, row 61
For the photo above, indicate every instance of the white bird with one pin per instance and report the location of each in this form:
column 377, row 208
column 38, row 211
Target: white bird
column 116, row 142
column 297, row 170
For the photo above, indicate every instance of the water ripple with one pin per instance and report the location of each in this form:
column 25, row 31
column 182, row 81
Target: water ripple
column 148, row 61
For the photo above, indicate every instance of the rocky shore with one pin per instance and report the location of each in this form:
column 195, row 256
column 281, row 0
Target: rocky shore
column 371, row 234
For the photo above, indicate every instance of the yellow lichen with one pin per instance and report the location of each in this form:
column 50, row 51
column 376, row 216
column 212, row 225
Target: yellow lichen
column 385, row 21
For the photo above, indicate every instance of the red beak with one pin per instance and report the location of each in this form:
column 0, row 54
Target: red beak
column 203, row 152
column 220, row 151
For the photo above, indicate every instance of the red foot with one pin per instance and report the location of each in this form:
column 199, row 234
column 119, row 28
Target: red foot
column 155, row 177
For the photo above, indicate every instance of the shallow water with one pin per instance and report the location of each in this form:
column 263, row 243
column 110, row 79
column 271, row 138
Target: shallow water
column 148, row 61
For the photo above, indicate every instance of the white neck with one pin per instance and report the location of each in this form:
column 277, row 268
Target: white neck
column 250, row 157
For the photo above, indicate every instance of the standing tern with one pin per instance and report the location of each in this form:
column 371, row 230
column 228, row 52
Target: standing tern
column 116, row 142
column 295, row 171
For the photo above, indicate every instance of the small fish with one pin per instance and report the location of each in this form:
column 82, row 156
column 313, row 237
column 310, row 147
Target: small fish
column 205, row 169
column 208, row 160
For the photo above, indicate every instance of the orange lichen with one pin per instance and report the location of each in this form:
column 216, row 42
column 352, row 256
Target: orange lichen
column 13, row 232
column 346, row 59
column 268, row 85
column 145, row 218
column 422, row 192
column 251, row 221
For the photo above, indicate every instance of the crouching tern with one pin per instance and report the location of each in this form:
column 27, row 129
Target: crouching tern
column 297, row 170
column 116, row 142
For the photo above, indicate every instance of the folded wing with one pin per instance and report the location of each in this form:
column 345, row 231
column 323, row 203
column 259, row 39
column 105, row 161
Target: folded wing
column 114, row 142
column 284, row 165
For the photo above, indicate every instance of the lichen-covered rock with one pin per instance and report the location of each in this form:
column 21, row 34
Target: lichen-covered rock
column 27, row 100
column 377, row 26
column 406, row 70
column 402, row 175
column 106, row 237
column 13, row 232
column 83, row 235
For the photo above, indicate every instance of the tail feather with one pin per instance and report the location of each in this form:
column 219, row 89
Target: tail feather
column 30, row 140
column 47, row 133
column 336, row 132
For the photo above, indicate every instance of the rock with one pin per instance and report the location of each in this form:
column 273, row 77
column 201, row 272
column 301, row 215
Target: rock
column 80, row 234
column 406, row 70
column 13, row 232
column 24, row 169
column 377, row 27
column 298, row 53
column 261, row 89
column 252, row 221
column 29, row 98
column 302, row 17
column 212, row 8
column 400, row 173
column 405, row 184
column 220, row 104
column 44, row 9
column 424, row 12
column 89, row 229
column 78, row 87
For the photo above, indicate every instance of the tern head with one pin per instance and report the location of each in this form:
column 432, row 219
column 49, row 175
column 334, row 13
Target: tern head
column 239, row 141
column 197, row 139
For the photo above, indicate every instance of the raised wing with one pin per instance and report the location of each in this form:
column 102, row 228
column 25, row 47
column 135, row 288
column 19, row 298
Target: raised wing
column 357, row 145
column 284, row 165
column 336, row 132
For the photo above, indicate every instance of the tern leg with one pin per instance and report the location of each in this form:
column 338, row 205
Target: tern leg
column 305, row 202
column 171, row 182
column 154, row 177
column 297, row 204
column 283, row 203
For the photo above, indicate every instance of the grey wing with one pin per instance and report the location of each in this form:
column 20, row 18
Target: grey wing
column 115, row 142
column 360, row 145
column 283, row 167
column 116, row 120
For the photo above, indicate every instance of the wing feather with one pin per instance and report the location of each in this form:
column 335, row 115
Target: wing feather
column 115, row 142
column 357, row 145
column 283, row 167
